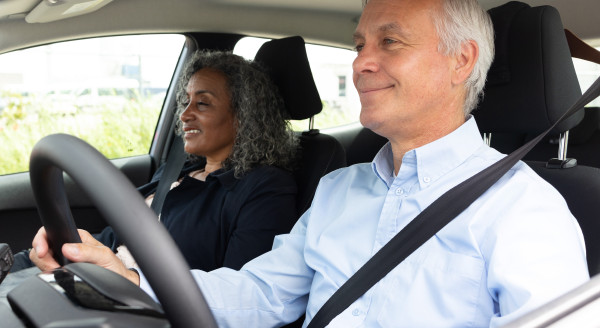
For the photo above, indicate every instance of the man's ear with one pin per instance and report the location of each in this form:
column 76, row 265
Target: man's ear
column 465, row 61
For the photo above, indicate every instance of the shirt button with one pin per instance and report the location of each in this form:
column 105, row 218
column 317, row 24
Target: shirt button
column 399, row 191
column 356, row 312
column 426, row 179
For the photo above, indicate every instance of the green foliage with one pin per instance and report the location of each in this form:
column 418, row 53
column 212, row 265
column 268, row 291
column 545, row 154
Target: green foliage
column 116, row 131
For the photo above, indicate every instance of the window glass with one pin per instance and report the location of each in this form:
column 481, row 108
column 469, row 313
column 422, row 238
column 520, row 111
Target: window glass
column 587, row 73
column 108, row 91
column 332, row 70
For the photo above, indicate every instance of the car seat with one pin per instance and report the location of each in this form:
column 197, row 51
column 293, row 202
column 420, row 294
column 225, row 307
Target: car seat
column 531, row 83
column 286, row 61
column 361, row 144
column 583, row 143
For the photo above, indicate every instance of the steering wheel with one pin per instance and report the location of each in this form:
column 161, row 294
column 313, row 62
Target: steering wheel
column 125, row 210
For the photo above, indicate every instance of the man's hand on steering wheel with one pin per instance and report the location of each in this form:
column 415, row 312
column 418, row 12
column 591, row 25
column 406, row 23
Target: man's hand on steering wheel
column 125, row 211
column 89, row 250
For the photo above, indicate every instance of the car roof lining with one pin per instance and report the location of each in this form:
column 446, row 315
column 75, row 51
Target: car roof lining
column 336, row 20
column 191, row 15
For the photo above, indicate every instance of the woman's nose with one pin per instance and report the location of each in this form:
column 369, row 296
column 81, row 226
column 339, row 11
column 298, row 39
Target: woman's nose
column 185, row 115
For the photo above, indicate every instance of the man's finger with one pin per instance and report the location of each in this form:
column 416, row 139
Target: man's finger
column 87, row 238
column 40, row 243
column 46, row 263
column 99, row 255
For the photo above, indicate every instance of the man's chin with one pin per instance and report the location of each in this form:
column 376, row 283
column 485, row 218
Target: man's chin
column 371, row 124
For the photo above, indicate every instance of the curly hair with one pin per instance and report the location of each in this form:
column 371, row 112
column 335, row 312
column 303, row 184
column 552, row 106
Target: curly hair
column 263, row 136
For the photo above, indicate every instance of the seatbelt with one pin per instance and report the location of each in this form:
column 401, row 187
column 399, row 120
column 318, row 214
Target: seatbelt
column 173, row 166
column 429, row 222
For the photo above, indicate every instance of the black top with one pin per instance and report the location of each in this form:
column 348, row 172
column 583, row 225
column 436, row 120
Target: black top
column 224, row 221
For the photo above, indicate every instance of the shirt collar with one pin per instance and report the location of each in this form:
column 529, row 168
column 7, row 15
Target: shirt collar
column 383, row 164
column 433, row 159
column 225, row 177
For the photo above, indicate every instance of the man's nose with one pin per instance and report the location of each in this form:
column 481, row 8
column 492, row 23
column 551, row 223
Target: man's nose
column 366, row 60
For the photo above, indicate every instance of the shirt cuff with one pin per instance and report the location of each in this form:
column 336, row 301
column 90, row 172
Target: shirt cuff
column 145, row 286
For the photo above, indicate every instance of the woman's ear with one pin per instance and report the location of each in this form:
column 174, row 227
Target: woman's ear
column 465, row 61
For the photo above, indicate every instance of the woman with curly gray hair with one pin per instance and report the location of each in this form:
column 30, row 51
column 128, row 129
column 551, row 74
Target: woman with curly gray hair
column 237, row 190
column 262, row 136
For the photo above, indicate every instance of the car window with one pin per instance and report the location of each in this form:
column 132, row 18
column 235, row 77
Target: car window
column 108, row 91
column 587, row 73
column 332, row 70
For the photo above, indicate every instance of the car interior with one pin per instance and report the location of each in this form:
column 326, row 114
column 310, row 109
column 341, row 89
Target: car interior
column 320, row 153
column 531, row 83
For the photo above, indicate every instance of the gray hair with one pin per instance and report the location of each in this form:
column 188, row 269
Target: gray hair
column 460, row 21
column 263, row 137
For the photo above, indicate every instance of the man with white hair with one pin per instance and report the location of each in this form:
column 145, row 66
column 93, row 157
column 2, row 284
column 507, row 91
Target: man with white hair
column 420, row 69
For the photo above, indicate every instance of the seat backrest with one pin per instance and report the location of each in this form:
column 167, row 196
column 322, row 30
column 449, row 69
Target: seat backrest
column 580, row 186
column 361, row 144
column 531, row 83
column 287, row 62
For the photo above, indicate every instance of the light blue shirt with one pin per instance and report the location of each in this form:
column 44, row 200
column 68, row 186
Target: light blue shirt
column 515, row 248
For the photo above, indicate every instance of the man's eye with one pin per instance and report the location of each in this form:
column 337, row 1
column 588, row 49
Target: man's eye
column 388, row 41
column 358, row 47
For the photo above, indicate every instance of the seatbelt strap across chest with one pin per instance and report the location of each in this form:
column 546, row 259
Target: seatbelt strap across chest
column 429, row 222
column 173, row 166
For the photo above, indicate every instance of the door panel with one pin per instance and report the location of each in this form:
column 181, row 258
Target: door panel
column 19, row 219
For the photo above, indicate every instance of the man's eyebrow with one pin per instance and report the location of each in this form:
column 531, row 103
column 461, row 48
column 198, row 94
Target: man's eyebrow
column 357, row 36
column 389, row 27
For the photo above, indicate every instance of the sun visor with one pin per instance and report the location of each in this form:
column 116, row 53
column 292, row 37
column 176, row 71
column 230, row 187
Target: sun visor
column 53, row 10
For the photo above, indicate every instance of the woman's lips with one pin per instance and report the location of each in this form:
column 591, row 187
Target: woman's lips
column 189, row 132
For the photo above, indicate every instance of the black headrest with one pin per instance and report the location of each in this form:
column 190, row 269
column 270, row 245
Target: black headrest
column 532, row 80
column 286, row 61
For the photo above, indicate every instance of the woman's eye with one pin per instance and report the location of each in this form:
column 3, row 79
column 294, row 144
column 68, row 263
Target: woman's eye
column 201, row 105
